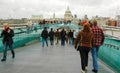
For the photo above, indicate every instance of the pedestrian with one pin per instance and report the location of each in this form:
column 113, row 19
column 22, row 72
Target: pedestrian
column 70, row 35
column 51, row 35
column 57, row 36
column 75, row 33
column 63, row 37
column 35, row 25
column 84, row 38
column 44, row 36
column 97, row 42
column 66, row 37
column 7, row 35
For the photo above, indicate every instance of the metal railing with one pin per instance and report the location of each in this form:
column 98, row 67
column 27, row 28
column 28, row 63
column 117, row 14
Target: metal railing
column 109, row 52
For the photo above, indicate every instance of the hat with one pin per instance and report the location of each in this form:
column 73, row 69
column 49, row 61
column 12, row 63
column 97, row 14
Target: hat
column 84, row 22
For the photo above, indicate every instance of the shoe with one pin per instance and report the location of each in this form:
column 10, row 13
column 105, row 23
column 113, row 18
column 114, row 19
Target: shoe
column 82, row 71
column 2, row 60
column 13, row 56
column 95, row 71
column 86, row 68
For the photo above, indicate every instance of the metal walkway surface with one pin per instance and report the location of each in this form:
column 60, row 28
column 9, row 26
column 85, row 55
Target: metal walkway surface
column 33, row 58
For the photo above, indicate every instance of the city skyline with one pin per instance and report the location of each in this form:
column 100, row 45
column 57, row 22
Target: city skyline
column 26, row 8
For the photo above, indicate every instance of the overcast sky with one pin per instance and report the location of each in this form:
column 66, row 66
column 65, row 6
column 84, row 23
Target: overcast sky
column 26, row 8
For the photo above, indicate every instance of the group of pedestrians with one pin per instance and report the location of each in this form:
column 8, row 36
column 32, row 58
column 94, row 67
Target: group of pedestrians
column 89, row 38
column 58, row 35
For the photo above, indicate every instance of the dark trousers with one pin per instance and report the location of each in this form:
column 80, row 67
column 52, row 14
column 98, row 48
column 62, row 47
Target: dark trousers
column 84, row 56
column 62, row 41
column 5, row 50
column 51, row 42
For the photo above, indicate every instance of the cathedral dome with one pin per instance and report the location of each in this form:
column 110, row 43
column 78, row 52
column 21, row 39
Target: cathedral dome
column 68, row 14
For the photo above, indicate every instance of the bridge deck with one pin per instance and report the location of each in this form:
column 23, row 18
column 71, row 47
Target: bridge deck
column 53, row 59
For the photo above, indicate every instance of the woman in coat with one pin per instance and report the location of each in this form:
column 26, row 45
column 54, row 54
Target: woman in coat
column 84, row 42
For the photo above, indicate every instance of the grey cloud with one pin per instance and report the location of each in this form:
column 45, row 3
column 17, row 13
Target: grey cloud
column 91, row 3
column 25, row 8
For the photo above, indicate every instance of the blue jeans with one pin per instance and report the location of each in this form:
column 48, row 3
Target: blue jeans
column 70, row 41
column 94, row 56
column 44, row 40
column 5, row 50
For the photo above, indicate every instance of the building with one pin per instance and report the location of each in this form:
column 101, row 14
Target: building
column 13, row 21
column 112, row 23
column 68, row 15
column 102, row 21
column 86, row 17
column 118, row 20
column 118, row 23
column 75, row 16
column 54, row 16
column 36, row 18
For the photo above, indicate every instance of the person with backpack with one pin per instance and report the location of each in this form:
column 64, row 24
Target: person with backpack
column 44, row 36
column 63, row 37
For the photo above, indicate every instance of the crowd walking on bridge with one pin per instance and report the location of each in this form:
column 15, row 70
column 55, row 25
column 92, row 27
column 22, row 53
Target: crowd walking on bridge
column 90, row 38
column 58, row 35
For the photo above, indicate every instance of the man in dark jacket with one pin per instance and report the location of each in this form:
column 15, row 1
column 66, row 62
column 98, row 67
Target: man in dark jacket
column 51, row 35
column 7, row 35
column 63, row 37
column 44, row 36
column 70, row 35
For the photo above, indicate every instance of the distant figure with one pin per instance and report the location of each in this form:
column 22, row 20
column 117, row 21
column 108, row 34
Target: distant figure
column 35, row 25
column 84, row 39
column 70, row 35
column 44, row 36
column 57, row 36
column 29, row 27
column 66, row 37
column 51, row 35
column 97, row 42
column 75, row 33
column 63, row 37
column 7, row 35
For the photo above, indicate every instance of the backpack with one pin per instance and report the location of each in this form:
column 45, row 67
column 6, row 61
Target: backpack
column 44, row 34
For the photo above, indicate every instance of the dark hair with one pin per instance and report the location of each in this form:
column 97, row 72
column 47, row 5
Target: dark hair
column 51, row 29
column 45, row 27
